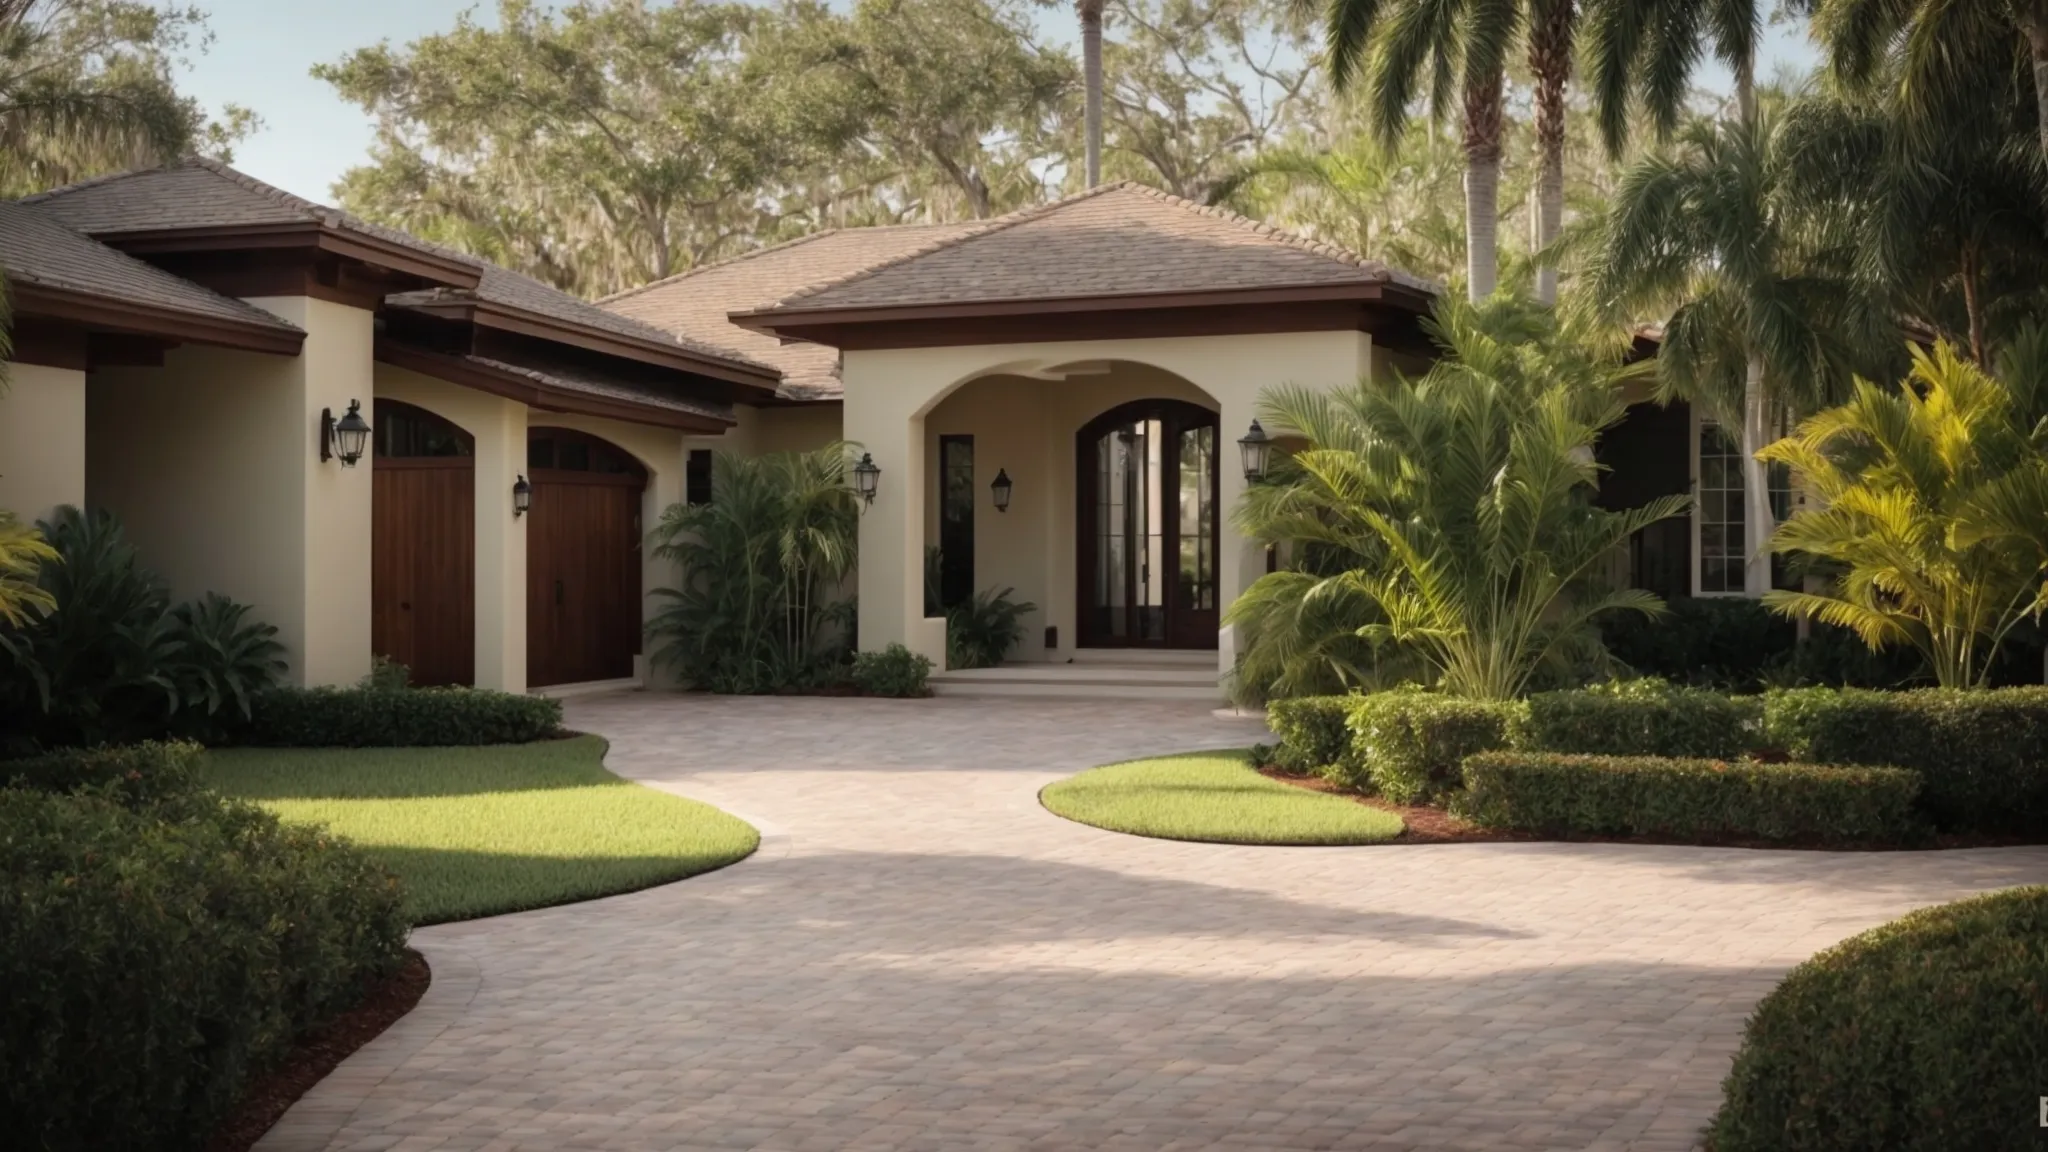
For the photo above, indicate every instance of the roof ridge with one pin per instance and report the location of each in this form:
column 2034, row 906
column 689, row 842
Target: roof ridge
column 1286, row 236
column 999, row 224
column 248, row 183
column 686, row 273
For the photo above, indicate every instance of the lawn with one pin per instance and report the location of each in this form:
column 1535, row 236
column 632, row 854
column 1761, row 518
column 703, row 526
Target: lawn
column 480, row 831
column 1213, row 796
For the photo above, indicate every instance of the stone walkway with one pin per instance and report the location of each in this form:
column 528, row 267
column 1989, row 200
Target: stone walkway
column 920, row 957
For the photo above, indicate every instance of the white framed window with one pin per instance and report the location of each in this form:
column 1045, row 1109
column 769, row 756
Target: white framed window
column 1718, row 513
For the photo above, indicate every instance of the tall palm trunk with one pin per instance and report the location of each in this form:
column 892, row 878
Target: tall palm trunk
column 1091, row 76
column 1550, row 60
column 1483, row 116
column 2034, row 26
column 1757, row 521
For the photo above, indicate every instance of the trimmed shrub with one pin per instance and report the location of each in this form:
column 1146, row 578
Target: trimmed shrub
column 1687, row 799
column 1641, row 718
column 409, row 718
column 1928, row 1034
column 1982, row 756
column 1315, row 736
column 1409, row 743
column 134, row 775
column 1724, row 642
column 154, row 960
column 894, row 671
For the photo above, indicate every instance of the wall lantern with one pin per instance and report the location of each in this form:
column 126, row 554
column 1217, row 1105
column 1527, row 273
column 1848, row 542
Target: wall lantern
column 347, row 438
column 1000, row 489
column 1257, row 449
column 522, row 497
column 866, row 477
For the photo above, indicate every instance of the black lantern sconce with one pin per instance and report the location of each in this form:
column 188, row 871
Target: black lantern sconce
column 522, row 497
column 866, row 478
column 347, row 438
column 999, row 488
column 1257, row 449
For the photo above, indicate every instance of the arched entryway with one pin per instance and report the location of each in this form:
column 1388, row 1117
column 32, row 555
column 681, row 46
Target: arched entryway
column 423, row 544
column 583, row 559
column 1147, row 516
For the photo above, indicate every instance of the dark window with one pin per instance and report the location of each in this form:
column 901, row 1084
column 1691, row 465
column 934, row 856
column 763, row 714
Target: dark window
column 540, row 453
column 402, row 431
column 561, row 450
column 697, row 477
column 956, row 519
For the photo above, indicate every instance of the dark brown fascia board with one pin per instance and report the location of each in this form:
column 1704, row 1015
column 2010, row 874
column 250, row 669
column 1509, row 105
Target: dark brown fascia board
column 491, row 314
column 534, row 394
column 103, row 313
column 769, row 319
column 431, row 267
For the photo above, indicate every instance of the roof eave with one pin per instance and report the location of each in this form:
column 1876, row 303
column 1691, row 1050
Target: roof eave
column 533, row 393
column 115, row 314
column 505, row 318
column 432, row 268
column 773, row 320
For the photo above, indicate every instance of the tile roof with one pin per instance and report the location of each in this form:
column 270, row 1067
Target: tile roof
column 36, row 249
column 1121, row 239
column 696, row 304
column 580, row 378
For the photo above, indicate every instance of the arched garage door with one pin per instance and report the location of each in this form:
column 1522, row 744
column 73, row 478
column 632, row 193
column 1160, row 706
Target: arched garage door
column 582, row 558
column 423, row 544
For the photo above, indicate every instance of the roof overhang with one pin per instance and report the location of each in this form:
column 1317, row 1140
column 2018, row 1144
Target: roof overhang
column 95, row 313
column 519, row 321
column 429, row 269
column 535, row 393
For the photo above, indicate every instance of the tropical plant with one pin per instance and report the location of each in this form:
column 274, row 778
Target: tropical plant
column 982, row 629
column 1468, row 488
column 223, row 659
column 756, row 606
column 1640, row 55
column 23, row 552
column 1764, row 310
column 1933, row 505
column 894, row 671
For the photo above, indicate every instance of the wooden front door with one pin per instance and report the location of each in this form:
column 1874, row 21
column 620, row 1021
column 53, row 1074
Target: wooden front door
column 583, row 559
column 423, row 544
column 1148, row 527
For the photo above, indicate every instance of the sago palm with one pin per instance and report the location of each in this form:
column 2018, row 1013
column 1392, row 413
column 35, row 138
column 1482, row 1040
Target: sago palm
column 1934, row 508
column 23, row 552
column 1464, row 497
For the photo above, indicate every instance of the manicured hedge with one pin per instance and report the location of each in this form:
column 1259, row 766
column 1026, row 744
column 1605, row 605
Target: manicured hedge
column 1929, row 1034
column 1315, row 735
column 1688, row 799
column 155, row 958
column 132, row 774
column 1982, row 756
column 403, row 718
column 1641, row 718
column 894, row 671
column 1409, row 744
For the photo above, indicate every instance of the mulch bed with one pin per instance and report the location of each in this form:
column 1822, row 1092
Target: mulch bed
column 1426, row 825
column 320, row 1052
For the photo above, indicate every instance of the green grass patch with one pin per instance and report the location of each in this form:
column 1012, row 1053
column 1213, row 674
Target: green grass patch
column 481, row 831
column 1213, row 796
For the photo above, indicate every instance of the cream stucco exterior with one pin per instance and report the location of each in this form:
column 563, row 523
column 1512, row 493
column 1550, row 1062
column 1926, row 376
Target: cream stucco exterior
column 1024, row 403
column 42, row 440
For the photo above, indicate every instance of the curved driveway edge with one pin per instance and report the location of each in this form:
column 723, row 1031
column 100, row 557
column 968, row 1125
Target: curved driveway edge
column 920, row 957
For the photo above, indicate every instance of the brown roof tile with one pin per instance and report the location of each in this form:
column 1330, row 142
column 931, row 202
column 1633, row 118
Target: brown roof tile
column 581, row 378
column 696, row 304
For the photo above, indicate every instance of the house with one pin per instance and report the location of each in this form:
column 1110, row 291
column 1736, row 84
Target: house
column 188, row 340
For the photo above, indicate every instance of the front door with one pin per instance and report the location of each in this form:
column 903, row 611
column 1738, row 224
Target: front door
column 1148, row 519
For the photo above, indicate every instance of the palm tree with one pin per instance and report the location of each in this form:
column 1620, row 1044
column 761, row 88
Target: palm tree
column 1552, row 25
column 23, row 552
column 1450, row 511
column 1763, row 312
column 1935, row 509
column 1091, row 80
column 1640, row 56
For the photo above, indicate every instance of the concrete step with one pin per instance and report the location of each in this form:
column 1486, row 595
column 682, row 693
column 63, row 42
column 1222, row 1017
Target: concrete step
column 1167, row 657
column 1132, row 681
column 1016, row 688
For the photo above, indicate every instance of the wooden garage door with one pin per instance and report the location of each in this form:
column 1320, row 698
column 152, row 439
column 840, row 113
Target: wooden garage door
column 583, row 604
column 423, row 544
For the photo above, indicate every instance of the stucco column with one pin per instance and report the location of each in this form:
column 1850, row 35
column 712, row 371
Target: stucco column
column 42, row 440
column 500, row 547
column 884, row 417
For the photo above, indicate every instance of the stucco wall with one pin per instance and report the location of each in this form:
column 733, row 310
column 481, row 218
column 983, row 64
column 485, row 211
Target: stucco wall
column 896, row 402
column 42, row 440
column 796, row 428
column 212, row 463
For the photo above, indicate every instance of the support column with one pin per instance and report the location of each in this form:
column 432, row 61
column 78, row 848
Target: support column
column 500, row 547
column 42, row 440
column 885, row 418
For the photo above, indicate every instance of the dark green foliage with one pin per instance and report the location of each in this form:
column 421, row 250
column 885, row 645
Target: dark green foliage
column 1641, row 718
column 154, row 960
column 1724, row 642
column 404, row 718
column 1409, row 743
column 983, row 629
column 385, row 675
column 135, row 775
column 1687, row 799
column 1983, row 755
column 223, row 660
column 894, row 671
column 1929, row 1034
column 1315, row 736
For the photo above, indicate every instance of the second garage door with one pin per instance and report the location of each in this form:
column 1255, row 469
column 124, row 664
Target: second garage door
column 583, row 560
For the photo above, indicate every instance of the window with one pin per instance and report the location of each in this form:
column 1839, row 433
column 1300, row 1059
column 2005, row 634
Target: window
column 1719, row 512
column 404, row 432
column 956, row 519
column 697, row 477
column 561, row 450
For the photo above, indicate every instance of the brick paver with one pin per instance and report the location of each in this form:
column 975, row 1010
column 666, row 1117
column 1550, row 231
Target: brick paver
column 920, row 957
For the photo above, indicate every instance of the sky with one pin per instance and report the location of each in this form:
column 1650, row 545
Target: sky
column 263, row 49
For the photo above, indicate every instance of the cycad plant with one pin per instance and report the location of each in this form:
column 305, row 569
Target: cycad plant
column 758, row 605
column 1459, row 505
column 23, row 552
column 224, row 659
column 1933, row 508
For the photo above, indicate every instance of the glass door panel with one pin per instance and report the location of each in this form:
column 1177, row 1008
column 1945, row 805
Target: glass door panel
column 1149, row 539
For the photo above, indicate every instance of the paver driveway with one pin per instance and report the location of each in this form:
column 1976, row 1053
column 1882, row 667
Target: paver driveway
column 920, row 957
